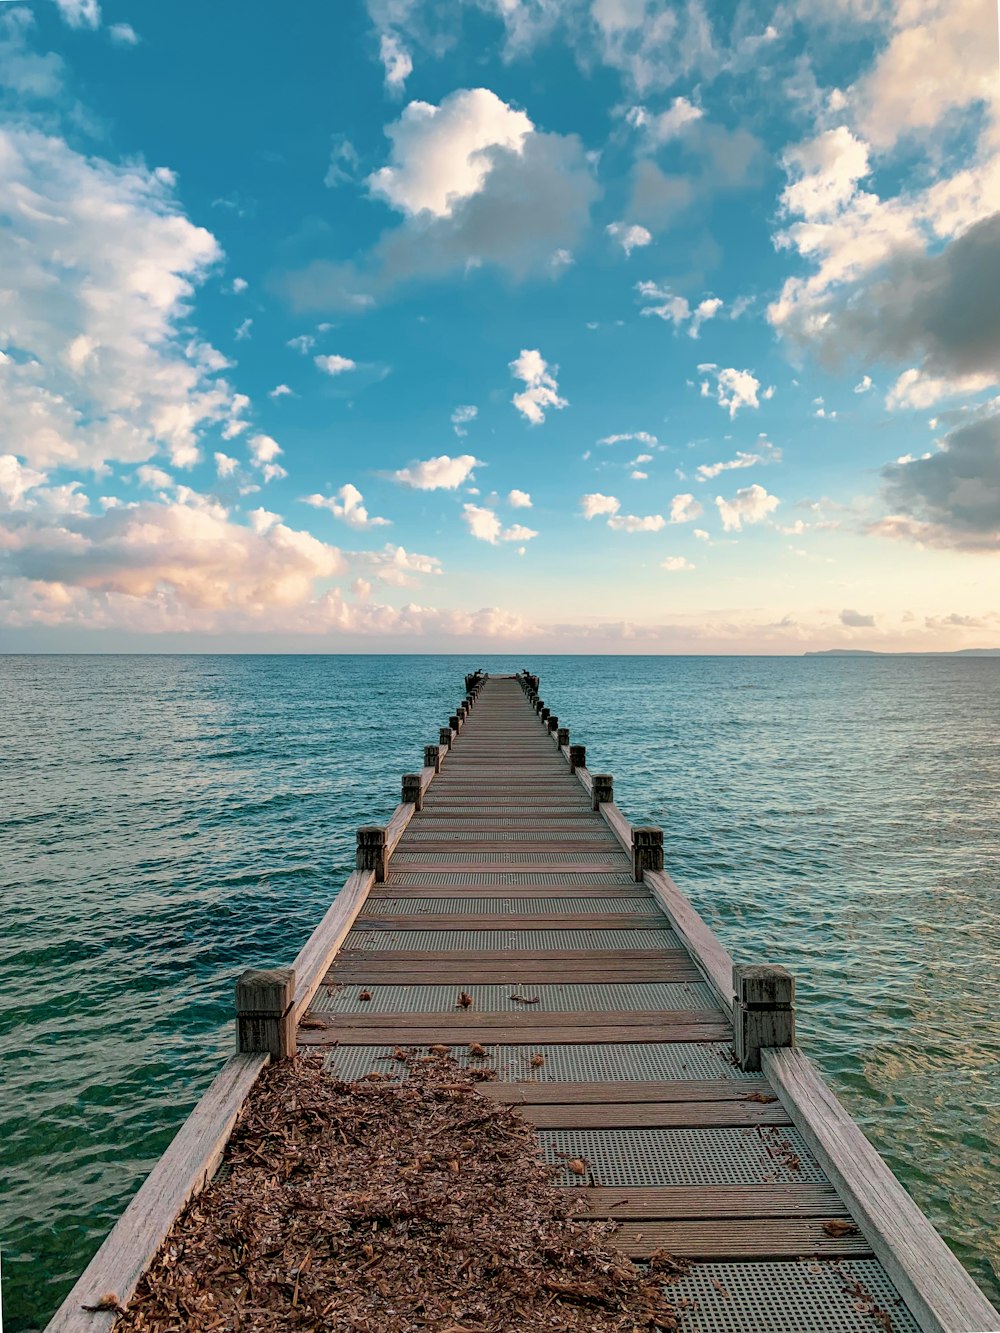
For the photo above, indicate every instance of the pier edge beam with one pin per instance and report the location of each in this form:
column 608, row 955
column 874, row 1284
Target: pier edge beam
column 372, row 850
column 647, row 850
column 763, row 1012
column 577, row 757
column 602, row 789
column 432, row 757
column 265, row 1017
column 413, row 793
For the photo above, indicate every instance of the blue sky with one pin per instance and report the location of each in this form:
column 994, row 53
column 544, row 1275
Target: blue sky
column 595, row 325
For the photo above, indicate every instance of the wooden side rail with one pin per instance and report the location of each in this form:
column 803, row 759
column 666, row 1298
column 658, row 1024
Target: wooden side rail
column 182, row 1172
column 940, row 1294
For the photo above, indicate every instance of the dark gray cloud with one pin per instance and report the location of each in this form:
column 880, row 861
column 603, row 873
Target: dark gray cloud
column 951, row 498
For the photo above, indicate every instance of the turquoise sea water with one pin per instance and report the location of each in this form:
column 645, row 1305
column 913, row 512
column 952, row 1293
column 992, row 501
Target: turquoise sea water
column 167, row 821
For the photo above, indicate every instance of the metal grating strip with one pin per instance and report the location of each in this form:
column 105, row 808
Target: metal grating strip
column 505, row 906
column 522, row 879
column 593, row 997
column 618, row 1157
column 599, row 1062
column 466, row 941
column 804, row 1296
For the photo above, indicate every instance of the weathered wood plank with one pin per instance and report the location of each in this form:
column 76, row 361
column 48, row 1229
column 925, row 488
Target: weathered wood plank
column 703, row 944
column 676, row 1202
column 326, row 1029
column 940, row 1294
column 617, row 823
column 738, row 1239
column 371, row 920
column 657, row 1115
column 313, row 960
column 535, row 1093
column 183, row 1170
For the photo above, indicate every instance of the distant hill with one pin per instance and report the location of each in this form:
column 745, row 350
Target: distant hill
column 871, row 652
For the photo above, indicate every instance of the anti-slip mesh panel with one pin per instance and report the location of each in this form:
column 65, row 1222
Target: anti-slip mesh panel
column 619, row 1157
column 505, row 906
column 512, row 858
column 599, row 1062
column 522, row 879
column 591, row 997
column 800, row 1296
column 513, row 941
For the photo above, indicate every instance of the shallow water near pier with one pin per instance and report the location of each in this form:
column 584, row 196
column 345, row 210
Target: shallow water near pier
column 167, row 821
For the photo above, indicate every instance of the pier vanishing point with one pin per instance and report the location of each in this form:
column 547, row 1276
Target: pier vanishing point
column 618, row 1025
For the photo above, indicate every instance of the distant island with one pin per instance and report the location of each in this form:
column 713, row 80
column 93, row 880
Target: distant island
column 871, row 652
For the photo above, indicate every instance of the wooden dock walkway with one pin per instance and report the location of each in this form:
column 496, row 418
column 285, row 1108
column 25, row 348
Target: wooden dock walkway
column 508, row 877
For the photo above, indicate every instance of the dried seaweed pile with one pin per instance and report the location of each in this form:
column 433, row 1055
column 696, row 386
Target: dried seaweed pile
column 393, row 1207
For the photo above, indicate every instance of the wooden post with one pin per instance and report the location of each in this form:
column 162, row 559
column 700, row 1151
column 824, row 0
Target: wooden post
column 539, row 705
column 553, row 722
column 412, row 791
column 577, row 757
column 444, row 737
column 432, row 757
column 603, row 789
column 562, row 736
column 647, row 850
column 470, row 699
column 455, row 722
column 544, row 712
column 461, row 712
column 265, row 1020
column 371, row 850
column 764, row 1011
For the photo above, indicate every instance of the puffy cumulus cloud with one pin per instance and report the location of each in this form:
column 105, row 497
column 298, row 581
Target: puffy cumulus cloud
column 185, row 554
column 636, row 522
column 153, row 477
column 677, row 310
column 685, row 509
column 856, row 620
column 396, row 61
column 484, row 524
column 395, row 565
column 733, row 388
column 764, row 454
column 596, row 504
column 519, row 499
column 348, row 505
column 461, row 417
column 947, row 50
column 437, row 474
column 441, row 154
column 664, row 125
column 334, row 365
column 98, row 272
column 950, row 498
column 263, row 451
column 630, row 236
column 541, row 390
column 676, row 564
column 825, row 172
column 916, row 389
column 16, row 480
column 80, row 13
column 477, row 184
column 752, row 504
column 281, row 391
column 123, row 34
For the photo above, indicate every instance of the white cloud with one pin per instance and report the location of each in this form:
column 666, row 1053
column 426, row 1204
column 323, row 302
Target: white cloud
column 684, row 509
column 80, row 13
column 262, row 520
column 396, row 566
column 864, row 384
column 666, row 124
column 396, row 60
column 347, row 504
column 153, row 477
column 767, row 453
column 519, row 500
column 596, row 504
column 629, row 236
column 916, row 389
column 856, row 620
column 243, row 330
column 239, row 285
column 16, row 480
column 826, row 172
column 123, row 34
column 636, row 475
column 441, row 154
column 484, row 524
column 302, row 342
column 281, row 391
column 108, row 368
column 335, row 365
column 542, row 390
column 734, row 389
column 636, row 522
column 701, row 534
column 667, row 305
column 750, row 505
column 674, row 564
column 641, row 436
column 263, row 451
column 437, row 474
column 461, row 417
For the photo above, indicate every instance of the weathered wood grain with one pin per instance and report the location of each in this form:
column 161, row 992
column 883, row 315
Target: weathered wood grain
column 739, row 1239
column 535, row 1093
column 676, row 1202
column 314, row 958
column 702, row 943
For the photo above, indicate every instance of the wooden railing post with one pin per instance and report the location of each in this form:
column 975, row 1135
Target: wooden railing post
column 603, row 789
column 764, row 1011
column 371, row 853
column 413, row 793
column 562, row 736
column 552, row 722
column 432, row 757
column 444, row 736
column 455, row 722
column 647, row 850
column 544, row 712
column 577, row 757
column 265, row 1020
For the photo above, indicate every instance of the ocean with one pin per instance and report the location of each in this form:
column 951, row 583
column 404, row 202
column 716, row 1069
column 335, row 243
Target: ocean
column 169, row 820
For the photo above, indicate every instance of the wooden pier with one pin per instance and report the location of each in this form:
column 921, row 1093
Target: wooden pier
column 619, row 1026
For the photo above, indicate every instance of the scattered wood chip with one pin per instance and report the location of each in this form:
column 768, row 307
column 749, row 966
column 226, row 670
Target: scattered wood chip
column 524, row 999
column 464, row 1000
column 312, row 1021
column 763, row 1097
column 439, row 1050
column 840, row 1226
column 476, row 1050
column 578, row 1166
column 537, row 1060
column 390, row 1206
column 364, row 995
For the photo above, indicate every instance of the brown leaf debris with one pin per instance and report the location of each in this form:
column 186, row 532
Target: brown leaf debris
column 387, row 1207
